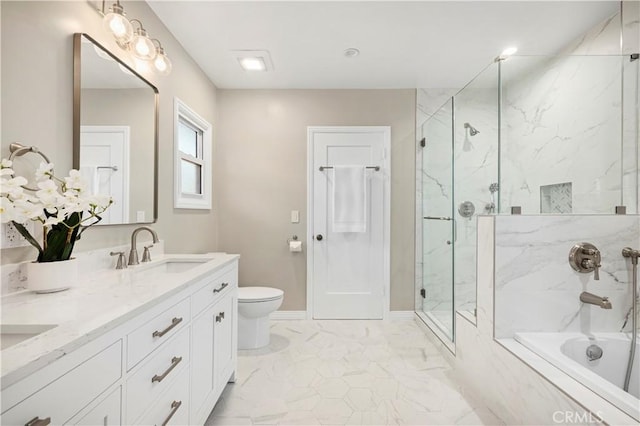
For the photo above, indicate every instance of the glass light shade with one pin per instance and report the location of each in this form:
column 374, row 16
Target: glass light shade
column 161, row 63
column 142, row 47
column 118, row 25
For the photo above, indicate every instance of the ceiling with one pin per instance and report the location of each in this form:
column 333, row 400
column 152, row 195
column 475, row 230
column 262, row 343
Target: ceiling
column 434, row 44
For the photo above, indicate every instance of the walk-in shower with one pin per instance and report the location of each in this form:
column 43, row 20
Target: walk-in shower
column 544, row 121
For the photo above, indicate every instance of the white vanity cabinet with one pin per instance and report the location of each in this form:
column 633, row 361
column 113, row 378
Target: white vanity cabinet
column 213, row 344
column 168, row 364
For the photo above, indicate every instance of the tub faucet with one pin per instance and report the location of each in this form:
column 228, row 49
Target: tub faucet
column 133, row 254
column 592, row 299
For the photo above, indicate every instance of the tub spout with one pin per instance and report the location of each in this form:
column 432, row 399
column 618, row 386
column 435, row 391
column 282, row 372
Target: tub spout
column 592, row 299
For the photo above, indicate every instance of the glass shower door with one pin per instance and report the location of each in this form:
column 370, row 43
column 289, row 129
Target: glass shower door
column 437, row 230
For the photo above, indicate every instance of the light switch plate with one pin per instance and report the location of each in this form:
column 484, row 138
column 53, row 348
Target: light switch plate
column 295, row 216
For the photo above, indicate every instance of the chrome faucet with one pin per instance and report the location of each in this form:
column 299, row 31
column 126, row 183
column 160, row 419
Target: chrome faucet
column 585, row 258
column 592, row 299
column 133, row 254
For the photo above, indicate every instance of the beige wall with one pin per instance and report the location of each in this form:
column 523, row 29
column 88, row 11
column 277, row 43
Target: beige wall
column 260, row 176
column 37, row 78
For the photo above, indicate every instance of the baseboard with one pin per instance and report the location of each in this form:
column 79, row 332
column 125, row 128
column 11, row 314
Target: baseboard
column 401, row 315
column 289, row 315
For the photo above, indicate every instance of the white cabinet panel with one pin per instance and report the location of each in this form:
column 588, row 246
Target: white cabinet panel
column 155, row 332
column 172, row 407
column 202, row 359
column 106, row 413
column 69, row 394
column 156, row 374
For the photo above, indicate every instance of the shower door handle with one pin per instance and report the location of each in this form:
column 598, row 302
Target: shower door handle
column 437, row 218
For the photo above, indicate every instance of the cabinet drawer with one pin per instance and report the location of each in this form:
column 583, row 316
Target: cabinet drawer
column 172, row 405
column 157, row 374
column 106, row 413
column 70, row 393
column 146, row 338
column 212, row 291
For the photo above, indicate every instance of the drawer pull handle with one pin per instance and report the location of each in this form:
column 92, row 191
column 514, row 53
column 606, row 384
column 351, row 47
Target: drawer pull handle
column 222, row 287
column 37, row 421
column 174, row 322
column 174, row 362
column 174, row 407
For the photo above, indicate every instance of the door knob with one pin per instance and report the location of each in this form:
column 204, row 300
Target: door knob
column 319, row 237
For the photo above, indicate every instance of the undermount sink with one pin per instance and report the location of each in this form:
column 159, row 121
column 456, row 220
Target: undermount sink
column 168, row 266
column 12, row 334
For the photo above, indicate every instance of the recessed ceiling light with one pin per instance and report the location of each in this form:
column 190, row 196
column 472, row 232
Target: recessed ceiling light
column 509, row 51
column 351, row 52
column 253, row 64
column 253, row 60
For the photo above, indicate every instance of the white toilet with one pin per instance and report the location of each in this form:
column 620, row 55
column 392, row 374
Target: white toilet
column 254, row 306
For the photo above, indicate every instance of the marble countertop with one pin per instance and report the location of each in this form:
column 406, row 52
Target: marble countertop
column 88, row 310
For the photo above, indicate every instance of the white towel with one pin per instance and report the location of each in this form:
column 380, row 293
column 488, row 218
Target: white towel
column 349, row 199
column 90, row 176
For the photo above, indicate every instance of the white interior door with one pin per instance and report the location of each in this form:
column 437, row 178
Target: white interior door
column 348, row 272
column 104, row 160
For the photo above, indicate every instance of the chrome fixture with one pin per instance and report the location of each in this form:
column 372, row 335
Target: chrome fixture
column 472, row 130
column 494, row 187
column 594, row 352
column 466, row 209
column 146, row 255
column 592, row 299
column 629, row 253
column 133, row 254
column 122, row 261
column 135, row 41
column 585, row 258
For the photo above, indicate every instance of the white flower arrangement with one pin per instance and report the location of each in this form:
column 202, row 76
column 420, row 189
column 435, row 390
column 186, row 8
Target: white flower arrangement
column 63, row 207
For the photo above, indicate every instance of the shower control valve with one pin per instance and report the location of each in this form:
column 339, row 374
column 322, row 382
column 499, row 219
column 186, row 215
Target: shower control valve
column 585, row 258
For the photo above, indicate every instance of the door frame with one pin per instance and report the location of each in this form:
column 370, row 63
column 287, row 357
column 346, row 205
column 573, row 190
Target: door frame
column 386, row 173
column 126, row 132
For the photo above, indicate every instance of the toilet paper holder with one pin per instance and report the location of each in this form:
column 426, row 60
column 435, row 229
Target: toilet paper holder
column 294, row 238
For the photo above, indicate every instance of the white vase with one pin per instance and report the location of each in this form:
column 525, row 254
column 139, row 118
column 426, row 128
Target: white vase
column 49, row 277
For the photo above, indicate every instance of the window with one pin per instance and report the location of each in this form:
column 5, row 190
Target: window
column 192, row 170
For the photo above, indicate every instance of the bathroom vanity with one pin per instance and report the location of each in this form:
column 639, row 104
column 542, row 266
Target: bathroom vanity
column 154, row 344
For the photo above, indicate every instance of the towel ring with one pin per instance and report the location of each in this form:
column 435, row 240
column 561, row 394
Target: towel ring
column 18, row 150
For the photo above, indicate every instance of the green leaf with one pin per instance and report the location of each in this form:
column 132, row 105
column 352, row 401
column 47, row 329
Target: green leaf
column 59, row 243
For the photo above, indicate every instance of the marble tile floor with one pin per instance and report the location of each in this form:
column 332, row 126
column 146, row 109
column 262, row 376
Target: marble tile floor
column 347, row 373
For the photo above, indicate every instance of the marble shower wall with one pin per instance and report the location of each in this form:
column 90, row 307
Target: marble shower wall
column 562, row 124
column 475, row 169
column 537, row 290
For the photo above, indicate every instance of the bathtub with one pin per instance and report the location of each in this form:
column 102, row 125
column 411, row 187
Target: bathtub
column 605, row 376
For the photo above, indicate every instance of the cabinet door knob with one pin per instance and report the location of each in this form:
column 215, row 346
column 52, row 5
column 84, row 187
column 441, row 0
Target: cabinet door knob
column 319, row 237
column 37, row 421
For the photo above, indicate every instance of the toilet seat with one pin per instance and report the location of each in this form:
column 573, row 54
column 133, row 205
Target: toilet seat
column 258, row 294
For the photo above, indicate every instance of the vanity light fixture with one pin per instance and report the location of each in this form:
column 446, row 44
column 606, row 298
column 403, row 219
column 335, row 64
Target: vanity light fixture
column 161, row 63
column 117, row 24
column 141, row 45
column 137, row 42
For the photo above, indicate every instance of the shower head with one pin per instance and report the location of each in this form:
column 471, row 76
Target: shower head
column 472, row 130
